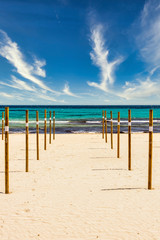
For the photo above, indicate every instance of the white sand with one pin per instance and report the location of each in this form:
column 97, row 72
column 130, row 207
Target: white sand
column 80, row 190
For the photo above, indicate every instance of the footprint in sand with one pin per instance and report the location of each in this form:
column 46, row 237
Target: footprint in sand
column 27, row 210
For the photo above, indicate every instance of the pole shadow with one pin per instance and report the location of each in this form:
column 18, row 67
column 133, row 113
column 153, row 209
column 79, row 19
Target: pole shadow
column 97, row 148
column 101, row 157
column 119, row 189
column 29, row 149
column 21, row 159
column 11, row 171
column 109, row 169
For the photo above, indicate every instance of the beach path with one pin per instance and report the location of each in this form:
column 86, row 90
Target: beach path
column 79, row 190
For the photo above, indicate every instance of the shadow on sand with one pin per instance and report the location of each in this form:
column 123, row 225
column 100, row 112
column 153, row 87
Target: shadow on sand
column 119, row 189
column 109, row 169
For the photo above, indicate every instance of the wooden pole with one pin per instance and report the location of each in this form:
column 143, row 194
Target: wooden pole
column 118, row 136
column 27, row 152
column 6, row 150
column 129, row 139
column 45, row 130
column 111, row 130
column 50, row 127
column 37, row 134
column 53, row 124
column 103, row 124
column 2, row 124
column 150, row 149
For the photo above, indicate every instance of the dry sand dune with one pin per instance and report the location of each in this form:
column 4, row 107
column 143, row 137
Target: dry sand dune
column 79, row 190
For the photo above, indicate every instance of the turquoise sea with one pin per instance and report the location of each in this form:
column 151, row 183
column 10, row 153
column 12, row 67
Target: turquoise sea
column 77, row 119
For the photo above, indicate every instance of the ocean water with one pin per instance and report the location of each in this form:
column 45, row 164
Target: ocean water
column 79, row 119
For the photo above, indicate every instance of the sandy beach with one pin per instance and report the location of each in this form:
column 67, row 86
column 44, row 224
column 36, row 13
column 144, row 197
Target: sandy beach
column 80, row 190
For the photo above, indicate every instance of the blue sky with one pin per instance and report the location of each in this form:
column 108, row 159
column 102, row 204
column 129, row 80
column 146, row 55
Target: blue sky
column 79, row 52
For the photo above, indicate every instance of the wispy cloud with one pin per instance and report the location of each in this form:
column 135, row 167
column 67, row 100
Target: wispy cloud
column 140, row 90
column 6, row 95
column 48, row 98
column 99, row 55
column 13, row 95
column 67, row 91
column 22, row 85
column 148, row 39
column 148, row 42
column 38, row 64
column 11, row 51
column 18, row 84
column 89, row 94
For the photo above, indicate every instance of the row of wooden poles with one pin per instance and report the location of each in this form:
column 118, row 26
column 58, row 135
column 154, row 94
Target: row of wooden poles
column 27, row 139
column 104, row 135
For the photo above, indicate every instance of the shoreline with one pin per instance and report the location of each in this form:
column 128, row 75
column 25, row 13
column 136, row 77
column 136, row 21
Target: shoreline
column 41, row 133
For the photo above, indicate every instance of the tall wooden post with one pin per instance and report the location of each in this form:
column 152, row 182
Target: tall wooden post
column 53, row 124
column 111, row 130
column 45, row 130
column 129, row 139
column 103, row 124
column 50, row 127
column 2, row 124
column 6, row 149
column 118, row 136
column 150, row 149
column 27, row 147
column 106, row 126
column 37, row 134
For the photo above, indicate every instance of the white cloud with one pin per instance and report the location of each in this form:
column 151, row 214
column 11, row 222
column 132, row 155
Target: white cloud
column 99, row 56
column 67, row 91
column 32, row 99
column 6, row 95
column 140, row 90
column 9, row 95
column 48, row 98
column 18, row 84
column 148, row 42
column 22, row 85
column 38, row 64
column 12, row 53
column 148, row 39
column 89, row 94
